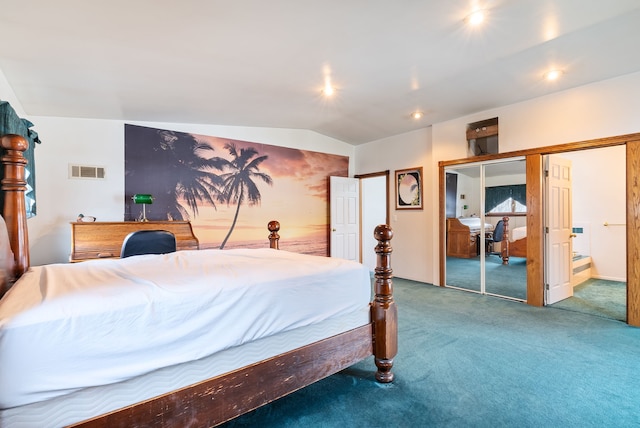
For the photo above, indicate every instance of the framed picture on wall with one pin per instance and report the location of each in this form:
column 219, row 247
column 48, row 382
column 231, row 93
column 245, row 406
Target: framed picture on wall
column 409, row 189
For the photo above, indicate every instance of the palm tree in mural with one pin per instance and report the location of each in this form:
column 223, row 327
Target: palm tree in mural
column 172, row 166
column 238, row 185
column 191, row 175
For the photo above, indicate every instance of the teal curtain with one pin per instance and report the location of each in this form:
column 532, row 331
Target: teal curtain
column 10, row 123
column 519, row 193
column 496, row 195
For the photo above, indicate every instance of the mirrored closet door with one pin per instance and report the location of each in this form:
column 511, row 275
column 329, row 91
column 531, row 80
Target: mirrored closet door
column 486, row 228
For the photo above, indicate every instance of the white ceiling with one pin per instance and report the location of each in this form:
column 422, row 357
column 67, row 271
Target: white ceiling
column 264, row 63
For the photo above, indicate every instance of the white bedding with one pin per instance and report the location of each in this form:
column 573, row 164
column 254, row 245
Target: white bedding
column 473, row 223
column 518, row 233
column 130, row 316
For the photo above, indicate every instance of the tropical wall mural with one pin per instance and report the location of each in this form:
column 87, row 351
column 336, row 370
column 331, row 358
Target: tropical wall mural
column 230, row 189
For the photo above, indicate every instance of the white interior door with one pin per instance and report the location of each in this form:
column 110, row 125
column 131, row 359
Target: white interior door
column 373, row 211
column 345, row 218
column 558, row 249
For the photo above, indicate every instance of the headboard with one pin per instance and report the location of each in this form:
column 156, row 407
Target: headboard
column 13, row 187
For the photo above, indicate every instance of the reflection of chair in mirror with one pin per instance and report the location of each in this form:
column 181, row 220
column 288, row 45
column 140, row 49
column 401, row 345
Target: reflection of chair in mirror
column 498, row 236
column 148, row 242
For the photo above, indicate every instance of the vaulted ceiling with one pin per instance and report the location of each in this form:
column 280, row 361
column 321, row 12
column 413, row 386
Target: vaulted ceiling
column 265, row 63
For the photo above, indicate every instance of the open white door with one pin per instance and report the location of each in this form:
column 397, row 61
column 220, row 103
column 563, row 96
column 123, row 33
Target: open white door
column 558, row 248
column 345, row 218
column 373, row 211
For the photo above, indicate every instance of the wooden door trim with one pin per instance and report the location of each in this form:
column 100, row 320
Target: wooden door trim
column 633, row 239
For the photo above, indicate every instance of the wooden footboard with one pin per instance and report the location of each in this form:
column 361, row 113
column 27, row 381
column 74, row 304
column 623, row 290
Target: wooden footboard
column 518, row 248
column 222, row 398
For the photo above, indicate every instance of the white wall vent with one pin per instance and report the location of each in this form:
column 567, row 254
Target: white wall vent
column 86, row 171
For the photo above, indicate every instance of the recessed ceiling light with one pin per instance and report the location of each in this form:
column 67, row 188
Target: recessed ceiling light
column 552, row 75
column 417, row 115
column 328, row 90
column 476, row 18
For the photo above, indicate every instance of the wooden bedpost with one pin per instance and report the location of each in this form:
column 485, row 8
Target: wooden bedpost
column 14, row 212
column 274, row 238
column 384, row 312
column 504, row 245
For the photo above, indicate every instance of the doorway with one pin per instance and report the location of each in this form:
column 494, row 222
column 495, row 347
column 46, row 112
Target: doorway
column 357, row 206
column 374, row 210
column 598, row 253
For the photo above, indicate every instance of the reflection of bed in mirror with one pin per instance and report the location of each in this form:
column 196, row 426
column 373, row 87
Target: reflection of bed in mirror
column 462, row 236
column 514, row 241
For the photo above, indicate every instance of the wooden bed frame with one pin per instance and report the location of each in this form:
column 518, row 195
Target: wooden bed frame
column 222, row 398
column 517, row 248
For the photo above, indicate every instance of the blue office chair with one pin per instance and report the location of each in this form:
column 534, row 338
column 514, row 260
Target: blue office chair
column 496, row 236
column 148, row 242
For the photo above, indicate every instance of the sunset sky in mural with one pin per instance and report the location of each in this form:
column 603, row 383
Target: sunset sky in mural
column 297, row 198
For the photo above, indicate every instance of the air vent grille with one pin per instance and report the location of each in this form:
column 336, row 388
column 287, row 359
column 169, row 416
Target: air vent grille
column 86, row 171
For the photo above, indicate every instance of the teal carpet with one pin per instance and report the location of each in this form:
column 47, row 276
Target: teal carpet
column 598, row 297
column 502, row 280
column 468, row 360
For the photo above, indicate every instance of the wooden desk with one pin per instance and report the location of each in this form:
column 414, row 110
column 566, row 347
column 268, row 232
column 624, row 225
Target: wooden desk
column 96, row 240
column 461, row 240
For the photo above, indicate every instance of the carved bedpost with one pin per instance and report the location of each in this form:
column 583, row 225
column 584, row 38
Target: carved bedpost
column 384, row 312
column 14, row 212
column 504, row 245
column 274, row 238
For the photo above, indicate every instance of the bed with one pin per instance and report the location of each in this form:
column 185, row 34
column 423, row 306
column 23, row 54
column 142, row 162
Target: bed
column 514, row 242
column 188, row 383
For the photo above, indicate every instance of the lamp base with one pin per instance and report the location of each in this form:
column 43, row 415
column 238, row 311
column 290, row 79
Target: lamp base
column 144, row 213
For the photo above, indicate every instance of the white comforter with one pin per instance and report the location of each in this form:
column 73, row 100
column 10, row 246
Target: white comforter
column 69, row 326
column 518, row 233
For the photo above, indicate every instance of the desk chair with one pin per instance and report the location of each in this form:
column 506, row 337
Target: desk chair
column 496, row 236
column 148, row 242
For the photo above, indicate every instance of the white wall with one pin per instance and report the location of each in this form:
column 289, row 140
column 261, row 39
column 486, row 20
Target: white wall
column 469, row 187
column 101, row 143
column 467, row 190
column 412, row 256
column 7, row 94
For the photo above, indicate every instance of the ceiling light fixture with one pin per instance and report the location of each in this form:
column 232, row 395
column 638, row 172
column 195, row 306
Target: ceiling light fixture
column 328, row 90
column 552, row 75
column 476, row 18
column 417, row 115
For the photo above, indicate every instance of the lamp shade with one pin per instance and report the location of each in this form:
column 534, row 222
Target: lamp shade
column 142, row 198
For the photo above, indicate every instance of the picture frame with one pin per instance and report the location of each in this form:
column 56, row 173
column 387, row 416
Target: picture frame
column 409, row 190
